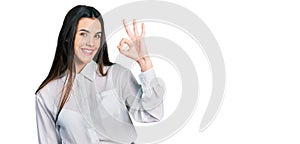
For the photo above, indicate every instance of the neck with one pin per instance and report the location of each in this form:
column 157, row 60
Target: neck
column 79, row 67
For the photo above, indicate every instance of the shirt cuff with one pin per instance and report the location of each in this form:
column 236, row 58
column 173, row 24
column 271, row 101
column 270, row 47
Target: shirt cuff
column 147, row 76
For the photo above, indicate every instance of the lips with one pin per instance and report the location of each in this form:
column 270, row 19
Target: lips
column 87, row 52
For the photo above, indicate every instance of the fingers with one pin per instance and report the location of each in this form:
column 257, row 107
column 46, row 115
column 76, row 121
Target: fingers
column 121, row 45
column 143, row 30
column 135, row 28
column 127, row 28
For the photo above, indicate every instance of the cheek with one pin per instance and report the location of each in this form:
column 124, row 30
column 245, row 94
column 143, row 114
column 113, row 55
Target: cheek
column 97, row 43
column 76, row 42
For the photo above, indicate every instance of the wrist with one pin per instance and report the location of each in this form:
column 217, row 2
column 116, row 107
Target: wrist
column 145, row 63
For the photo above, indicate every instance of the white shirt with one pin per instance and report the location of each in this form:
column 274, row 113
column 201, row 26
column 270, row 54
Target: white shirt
column 98, row 108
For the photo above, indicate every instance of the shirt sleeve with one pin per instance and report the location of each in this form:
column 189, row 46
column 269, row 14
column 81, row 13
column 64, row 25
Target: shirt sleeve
column 144, row 101
column 45, row 122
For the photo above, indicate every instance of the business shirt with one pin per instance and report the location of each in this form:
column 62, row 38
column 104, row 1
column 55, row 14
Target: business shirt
column 98, row 108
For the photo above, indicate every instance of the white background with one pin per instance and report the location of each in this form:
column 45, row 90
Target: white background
column 259, row 40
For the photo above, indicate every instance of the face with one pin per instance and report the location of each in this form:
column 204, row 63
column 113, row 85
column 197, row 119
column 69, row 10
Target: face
column 87, row 41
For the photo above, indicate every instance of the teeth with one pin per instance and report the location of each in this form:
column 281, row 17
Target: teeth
column 87, row 51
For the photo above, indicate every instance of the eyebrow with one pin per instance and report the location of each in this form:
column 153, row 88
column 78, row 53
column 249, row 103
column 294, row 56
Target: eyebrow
column 84, row 30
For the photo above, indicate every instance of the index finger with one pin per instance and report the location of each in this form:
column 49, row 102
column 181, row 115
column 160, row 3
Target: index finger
column 127, row 29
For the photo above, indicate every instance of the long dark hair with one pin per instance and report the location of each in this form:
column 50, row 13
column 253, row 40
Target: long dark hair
column 63, row 64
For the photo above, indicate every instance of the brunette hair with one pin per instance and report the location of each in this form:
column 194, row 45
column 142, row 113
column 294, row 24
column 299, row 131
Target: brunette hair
column 63, row 64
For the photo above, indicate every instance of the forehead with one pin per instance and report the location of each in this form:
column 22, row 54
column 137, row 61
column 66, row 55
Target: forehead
column 89, row 24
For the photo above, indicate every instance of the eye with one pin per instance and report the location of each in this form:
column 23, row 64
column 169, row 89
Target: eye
column 83, row 34
column 97, row 36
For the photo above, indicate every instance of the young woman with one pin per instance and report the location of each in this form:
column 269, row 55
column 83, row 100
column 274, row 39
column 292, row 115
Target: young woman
column 86, row 98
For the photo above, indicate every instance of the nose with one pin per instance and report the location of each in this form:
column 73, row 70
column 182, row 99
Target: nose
column 90, row 42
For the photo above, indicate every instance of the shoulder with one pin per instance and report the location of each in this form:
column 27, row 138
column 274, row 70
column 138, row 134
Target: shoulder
column 117, row 70
column 118, row 73
column 118, row 67
column 51, row 91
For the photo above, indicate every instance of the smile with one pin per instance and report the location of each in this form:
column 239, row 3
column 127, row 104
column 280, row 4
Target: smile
column 87, row 52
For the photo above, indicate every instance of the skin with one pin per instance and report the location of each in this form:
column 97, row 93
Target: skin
column 137, row 49
column 87, row 43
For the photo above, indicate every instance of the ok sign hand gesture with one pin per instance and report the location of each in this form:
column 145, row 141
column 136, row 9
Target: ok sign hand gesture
column 137, row 48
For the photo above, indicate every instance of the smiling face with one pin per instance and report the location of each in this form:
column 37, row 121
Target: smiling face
column 87, row 41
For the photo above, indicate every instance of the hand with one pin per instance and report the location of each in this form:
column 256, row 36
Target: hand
column 137, row 48
column 136, row 44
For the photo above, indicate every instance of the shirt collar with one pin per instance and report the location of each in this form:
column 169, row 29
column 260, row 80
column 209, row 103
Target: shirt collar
column 89, row 70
